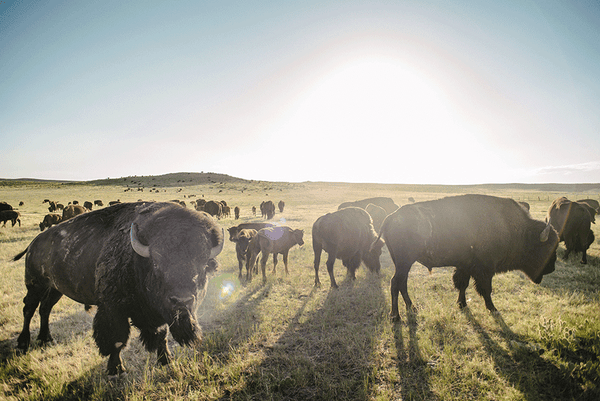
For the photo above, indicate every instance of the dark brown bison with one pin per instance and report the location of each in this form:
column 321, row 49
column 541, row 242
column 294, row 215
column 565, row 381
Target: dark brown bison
column 5, row 206
column 378, row 214
column 592, row 207
column 144, row 263
column 572, row 221
column 348, row 235
column 72, row 211
column 51, row 219
column 254, row 210
column 275, row 240
column 236, row 211
column 213, row 208
column 267, row 209
column 10, row 215
column 477, row 234
column 280, row 206
column 233, row 231
column 226, row 211
column 241, row 249
column 98, row 202
column 88, row 205
column 52, row 208
column 386, row 203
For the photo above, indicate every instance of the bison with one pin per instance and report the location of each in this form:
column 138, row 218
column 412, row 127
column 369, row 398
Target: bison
column 5, row 206
column 233, row 231
column 51, row 219
column 592, row 207
column 236, row 211
column 267, row 209
column 479, row 235
column 572, row 220
column 10, row 215
column 213, row 208
column 241, row 249
column 348, row 235
column 72, row 211
column 386, row 203
column 275, row 240
column 98, row 202
column 378, row 214
column 144, row 263
column 88, row 205
column 280, row 206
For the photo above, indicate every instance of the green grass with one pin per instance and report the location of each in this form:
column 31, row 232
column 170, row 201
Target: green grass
column 287, row 340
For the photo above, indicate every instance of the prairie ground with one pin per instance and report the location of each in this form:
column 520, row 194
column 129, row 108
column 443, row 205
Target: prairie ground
column 286, row 339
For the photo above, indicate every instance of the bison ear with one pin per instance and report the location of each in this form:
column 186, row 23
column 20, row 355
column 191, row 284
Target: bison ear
column 138, row 247
column 545, row 233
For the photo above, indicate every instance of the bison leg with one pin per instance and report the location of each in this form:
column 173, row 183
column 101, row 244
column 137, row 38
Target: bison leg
column 31, row 301
column 111, row 332
column 461, row 282
column 263, row 265
column 274, row 263
column 483, row 285
column 330, row 262
column 156, row 340
column 48, row 301
column 399, row 284
column 285, row 261
column 240, row 259
column 317, row 250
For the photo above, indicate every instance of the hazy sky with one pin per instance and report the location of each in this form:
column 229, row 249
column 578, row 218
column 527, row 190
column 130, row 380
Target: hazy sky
column 449, row 92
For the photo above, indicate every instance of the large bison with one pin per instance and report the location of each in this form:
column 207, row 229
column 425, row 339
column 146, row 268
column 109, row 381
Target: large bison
column 141, row 262
column 347, row 235
column 213, row 208
column 477, row 234
column 51, row 219
column 275, row 240
column 10, row 215
column 386, row 203
column 5, row 206
column 572, row 220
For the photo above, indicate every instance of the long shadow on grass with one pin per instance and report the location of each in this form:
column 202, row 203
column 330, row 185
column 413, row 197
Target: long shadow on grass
column 412, row 369
column 523, row 368
column 324, row 353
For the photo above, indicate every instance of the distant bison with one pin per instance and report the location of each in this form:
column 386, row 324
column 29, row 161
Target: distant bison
column 213, row 208
column 236, row 211
column 281, row 205
column 348, row 235
column 51, row 219
column 477, row 234
column 72, row 211
column 275, row 240
column 572, row 221
column 98, row 202
column 385, row 203
column 88, row 205
column 10, row 215
column 5, row 206
column 267, row 209
column 144, row 264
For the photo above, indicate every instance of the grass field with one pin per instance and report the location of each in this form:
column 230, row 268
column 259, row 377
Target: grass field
column 288, row 340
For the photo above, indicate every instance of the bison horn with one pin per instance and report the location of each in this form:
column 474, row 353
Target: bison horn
column 138, row 247
column 545, row 233
column 217, row 249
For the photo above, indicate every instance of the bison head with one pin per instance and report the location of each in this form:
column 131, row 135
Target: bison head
column 546, row 244
column 371, row 258
column 178, row 247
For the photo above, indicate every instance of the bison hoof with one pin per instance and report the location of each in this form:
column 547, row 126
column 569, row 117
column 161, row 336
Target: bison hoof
column 395, row 317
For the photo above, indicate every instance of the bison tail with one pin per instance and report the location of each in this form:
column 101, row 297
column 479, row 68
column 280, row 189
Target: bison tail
column 20, row 255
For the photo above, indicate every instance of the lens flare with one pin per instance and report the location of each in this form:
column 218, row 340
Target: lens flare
column 227, row 289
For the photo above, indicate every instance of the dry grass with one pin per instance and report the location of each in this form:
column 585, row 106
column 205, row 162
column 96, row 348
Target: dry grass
column 287, row 340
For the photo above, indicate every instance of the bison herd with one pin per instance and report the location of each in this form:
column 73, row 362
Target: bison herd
column 147, row 263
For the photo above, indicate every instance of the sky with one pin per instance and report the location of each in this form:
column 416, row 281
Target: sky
column 406, row 92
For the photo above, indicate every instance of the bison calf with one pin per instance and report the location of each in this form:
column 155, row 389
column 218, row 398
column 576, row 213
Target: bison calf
column 572, row 220
column 347, row 235
column 275, row 240
column 50, row 220
column 242, row 241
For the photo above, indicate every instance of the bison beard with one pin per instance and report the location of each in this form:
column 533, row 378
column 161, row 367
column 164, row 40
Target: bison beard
column 184, row 328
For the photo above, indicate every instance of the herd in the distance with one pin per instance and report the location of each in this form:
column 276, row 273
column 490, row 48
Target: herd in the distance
column 147, row 263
